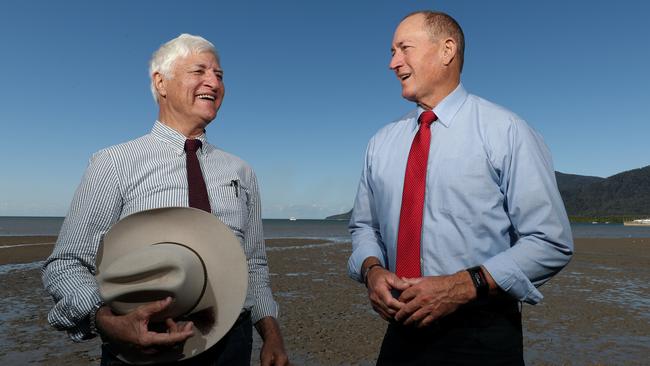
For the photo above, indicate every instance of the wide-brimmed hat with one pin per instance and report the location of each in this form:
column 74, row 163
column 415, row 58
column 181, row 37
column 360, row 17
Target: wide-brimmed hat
column 181, row 252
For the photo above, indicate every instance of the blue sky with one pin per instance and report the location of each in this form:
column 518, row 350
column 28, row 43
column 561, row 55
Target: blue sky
column 307, row 85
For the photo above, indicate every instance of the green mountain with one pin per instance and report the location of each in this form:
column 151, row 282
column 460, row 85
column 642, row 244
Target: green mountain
column 625, row 194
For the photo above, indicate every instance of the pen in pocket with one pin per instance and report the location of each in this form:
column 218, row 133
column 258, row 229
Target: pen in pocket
column 235, row 183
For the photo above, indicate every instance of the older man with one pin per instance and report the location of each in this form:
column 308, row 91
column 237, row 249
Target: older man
column 457, row 217
column 150, row 172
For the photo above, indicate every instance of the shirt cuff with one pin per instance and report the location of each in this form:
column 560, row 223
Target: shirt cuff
column 507, row 274
column 263, row 309
column 92, row 318
column 359, row 255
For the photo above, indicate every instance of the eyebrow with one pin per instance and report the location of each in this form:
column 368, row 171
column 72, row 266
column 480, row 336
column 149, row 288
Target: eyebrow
column 204, row 66
column 399, row 44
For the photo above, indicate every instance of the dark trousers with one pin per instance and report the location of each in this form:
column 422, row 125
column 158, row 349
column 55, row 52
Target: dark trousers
column 486, row 333
column 233, row 349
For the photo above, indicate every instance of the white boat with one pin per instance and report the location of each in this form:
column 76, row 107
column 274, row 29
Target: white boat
column 292, row 218
column 639, row 222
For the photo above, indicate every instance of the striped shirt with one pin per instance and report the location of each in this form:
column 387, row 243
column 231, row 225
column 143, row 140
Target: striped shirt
column 146, row 173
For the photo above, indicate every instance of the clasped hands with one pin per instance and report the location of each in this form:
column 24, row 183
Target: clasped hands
column 422, row 300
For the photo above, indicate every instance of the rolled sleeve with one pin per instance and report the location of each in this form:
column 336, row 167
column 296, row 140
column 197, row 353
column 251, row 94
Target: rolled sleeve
column 68, row 274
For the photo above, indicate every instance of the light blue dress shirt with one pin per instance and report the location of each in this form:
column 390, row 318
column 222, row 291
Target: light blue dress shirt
column 491, row 198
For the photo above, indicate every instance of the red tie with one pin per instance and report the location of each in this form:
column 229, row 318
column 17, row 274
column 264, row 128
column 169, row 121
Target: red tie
column 410, row 217
column 197, row 192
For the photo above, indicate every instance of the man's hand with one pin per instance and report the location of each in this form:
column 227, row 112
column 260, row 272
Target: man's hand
column 272, row 352
column 131, row 330
column 430, row 298
column 380, row 282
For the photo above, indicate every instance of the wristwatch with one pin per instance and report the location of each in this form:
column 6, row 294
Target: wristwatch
column 480, row 282
column 364, row 274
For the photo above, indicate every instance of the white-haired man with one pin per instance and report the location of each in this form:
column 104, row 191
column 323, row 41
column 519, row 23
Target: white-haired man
column 150, row 172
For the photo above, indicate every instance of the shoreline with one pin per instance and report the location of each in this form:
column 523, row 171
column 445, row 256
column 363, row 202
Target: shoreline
column 32, row 248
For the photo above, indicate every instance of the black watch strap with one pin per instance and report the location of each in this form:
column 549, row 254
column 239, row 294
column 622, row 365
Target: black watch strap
column 364, row 275
column 480, row 282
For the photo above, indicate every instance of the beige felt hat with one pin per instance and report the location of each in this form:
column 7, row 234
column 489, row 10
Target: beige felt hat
column 181, row 252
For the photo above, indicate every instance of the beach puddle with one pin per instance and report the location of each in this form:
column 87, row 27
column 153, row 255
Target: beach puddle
column 6, row 268
column 304, row 246
column 28, row 338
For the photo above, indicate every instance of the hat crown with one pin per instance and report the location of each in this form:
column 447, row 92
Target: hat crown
column 154, row 273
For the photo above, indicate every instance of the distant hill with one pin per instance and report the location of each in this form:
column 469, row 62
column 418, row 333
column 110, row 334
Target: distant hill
column 569, row 182
column 626, row 193
column 343, row 216
column 623, row 194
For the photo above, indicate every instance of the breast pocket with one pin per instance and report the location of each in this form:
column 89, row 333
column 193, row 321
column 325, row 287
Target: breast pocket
column 232, row 206
column 467, row 188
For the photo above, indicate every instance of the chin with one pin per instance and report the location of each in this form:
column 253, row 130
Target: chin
column 208, row 120
column 409, row 96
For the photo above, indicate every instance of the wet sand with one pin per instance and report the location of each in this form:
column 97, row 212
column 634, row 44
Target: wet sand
column 595, row 312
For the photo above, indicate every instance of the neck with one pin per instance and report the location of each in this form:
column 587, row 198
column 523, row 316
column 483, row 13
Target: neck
column 188, row 129
column 431, row 101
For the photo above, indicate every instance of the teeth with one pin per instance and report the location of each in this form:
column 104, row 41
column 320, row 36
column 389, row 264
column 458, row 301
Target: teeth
column 206, row 96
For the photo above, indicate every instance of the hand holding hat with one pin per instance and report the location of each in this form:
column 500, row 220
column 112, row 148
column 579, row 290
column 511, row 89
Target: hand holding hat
column 130, row 332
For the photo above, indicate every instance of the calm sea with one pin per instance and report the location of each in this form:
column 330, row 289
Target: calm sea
column 283, row 228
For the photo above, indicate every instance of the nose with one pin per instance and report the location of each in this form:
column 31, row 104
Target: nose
column 212, row 80
column 395, row 61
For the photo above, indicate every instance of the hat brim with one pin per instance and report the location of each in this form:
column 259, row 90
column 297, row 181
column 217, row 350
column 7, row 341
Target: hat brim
column 218, row 248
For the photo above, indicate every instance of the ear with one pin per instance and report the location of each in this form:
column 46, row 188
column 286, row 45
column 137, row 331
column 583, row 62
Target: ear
column 449, row 49
column 159, row 83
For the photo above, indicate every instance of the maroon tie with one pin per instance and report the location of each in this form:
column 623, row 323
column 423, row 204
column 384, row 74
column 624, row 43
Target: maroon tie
column 197, row 193
column 410, row 217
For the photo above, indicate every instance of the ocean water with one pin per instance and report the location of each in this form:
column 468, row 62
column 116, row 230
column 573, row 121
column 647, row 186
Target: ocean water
column 320, row 229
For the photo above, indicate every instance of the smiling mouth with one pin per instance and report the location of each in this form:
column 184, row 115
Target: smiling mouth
column 207, row 97
column 404, row 76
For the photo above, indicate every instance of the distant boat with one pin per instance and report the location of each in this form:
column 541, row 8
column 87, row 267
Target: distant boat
column 639, row 222
column 292, row 218
column 594, row 222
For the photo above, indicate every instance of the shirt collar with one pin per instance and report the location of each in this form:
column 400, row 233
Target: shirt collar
column 448, row 106
column 175, row 139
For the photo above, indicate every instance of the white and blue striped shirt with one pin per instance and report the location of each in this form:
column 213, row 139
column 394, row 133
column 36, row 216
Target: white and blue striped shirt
column 146, row 173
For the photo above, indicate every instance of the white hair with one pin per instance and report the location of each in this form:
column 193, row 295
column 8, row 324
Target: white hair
column 163, row 59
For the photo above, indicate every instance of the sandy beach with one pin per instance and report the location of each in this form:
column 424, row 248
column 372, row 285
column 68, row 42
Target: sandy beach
column 596, row 312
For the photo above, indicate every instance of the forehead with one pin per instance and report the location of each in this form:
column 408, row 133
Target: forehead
column 411, row 27
column 202, row 59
